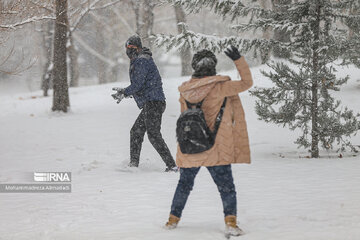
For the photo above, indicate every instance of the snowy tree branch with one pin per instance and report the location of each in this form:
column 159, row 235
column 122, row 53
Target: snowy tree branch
column 26, row 21
column 90, row 7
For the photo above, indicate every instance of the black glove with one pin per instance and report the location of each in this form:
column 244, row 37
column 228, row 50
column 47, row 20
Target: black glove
column 119, row 95
column 233, row 53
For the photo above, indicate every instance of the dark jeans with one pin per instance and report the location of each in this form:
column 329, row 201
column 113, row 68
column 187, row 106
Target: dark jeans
column 149, row 120
column 222, row 176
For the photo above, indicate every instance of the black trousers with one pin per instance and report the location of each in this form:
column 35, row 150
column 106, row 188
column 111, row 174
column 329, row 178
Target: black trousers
column 149, row 120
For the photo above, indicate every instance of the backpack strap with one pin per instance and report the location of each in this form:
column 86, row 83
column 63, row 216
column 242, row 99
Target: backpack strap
column 197, row 105
column 219, row 117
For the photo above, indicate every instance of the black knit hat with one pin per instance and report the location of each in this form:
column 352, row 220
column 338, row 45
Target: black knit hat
column 134, row 40
column 204, row 63
column 203, row 54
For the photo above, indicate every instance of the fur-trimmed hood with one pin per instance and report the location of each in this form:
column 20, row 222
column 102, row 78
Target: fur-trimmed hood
column 196, row 89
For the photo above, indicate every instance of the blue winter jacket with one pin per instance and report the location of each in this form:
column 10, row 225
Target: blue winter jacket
column 145, row 79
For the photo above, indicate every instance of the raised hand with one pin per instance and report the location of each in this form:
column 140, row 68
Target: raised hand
column 233, row 53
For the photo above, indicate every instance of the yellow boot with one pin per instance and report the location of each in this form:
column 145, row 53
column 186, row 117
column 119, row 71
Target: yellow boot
column 172, row 222
column 231, row 228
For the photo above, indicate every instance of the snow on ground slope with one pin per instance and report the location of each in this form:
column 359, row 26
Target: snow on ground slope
column 281, row 195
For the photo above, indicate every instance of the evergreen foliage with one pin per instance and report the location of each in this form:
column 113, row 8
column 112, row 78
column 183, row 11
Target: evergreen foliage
column 321, row 33
column 352, row 55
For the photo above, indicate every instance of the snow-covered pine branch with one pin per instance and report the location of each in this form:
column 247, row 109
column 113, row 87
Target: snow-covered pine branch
column 197, row 41
column 231, row 9
column 269, row 24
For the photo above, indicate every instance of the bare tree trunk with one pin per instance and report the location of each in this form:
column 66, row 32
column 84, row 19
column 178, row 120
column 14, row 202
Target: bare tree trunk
column 61, row 92
column 144, row 16
column 136, row 7
column 73, row 56
column 47, row 44
column 185, row 54
column 100, row 47
column 148, row 20
column 74, row 64
column 112, row 50
column 314, row 87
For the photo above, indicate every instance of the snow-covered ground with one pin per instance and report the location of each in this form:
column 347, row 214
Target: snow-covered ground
column 281, row 195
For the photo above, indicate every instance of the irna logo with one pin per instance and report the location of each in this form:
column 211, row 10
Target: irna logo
column 52, row 176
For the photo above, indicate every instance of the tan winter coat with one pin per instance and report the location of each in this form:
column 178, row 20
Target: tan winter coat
column 232, row 143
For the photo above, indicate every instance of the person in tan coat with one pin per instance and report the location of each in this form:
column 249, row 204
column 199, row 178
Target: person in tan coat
column 231, row 142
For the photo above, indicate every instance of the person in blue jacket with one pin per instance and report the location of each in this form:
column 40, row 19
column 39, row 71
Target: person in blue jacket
column 146, row 88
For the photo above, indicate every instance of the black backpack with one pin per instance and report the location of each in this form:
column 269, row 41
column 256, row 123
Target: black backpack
column 192, row 132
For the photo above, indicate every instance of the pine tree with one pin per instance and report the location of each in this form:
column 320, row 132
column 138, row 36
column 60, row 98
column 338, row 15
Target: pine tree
column 302, row 85
column 281, row 34
column 352, row 55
